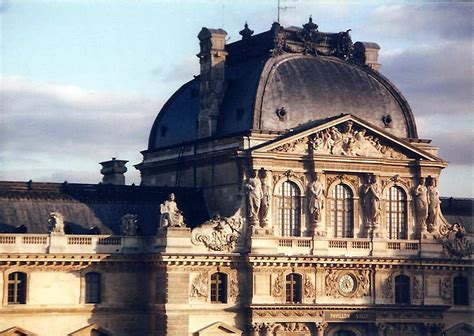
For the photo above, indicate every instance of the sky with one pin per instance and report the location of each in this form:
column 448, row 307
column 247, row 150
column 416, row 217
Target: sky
column 83, row 80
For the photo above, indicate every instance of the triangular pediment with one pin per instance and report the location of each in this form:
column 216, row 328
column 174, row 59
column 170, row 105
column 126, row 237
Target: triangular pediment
column 346, row 136
column 16, row 331
column 90, row 330
column 220, row 329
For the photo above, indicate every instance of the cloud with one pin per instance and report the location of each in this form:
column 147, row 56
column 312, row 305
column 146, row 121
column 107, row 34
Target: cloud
column 449, row 20
column 182, row 72
column 63, row 126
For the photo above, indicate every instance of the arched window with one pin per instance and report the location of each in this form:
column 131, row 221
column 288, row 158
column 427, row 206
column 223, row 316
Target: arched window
column 288, row 209
column 219, row 288
column 17, row 288
column 402, row 289
column 293, row 288
column 93, row 287
column 341, row 207
column 461, row 295
column 396, row 213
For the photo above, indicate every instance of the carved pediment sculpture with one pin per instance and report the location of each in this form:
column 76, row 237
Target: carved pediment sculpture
column 219, row 233
column 56, row 223
column 345, row 139
column 128, row 225
column 453, row 237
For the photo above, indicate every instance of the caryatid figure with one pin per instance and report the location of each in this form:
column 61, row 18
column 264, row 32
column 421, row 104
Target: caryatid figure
column 266, row 197
column 316, row 199
column 254, row 197
column 433, row 205
column 371, row 201
column 421, row 203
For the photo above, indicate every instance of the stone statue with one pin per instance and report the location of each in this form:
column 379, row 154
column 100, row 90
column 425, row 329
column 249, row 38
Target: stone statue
column 421, row 203
column 266, row 200
column 455, row 241
column 128, row 225
column 371, row 201
column 170, row 214
column 433, row 205
column 316, row 199
column 56, row 223
column 254, row 197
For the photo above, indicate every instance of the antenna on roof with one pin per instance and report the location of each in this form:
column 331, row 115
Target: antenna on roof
column 281, row 8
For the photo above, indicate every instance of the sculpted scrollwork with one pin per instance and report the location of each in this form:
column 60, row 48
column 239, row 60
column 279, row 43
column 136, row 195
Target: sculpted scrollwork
column 453, row 237
column 200, row 284
column 219, row 233
column 387, row 287
column 277, row 288
column 445, row 288
column 308, row 290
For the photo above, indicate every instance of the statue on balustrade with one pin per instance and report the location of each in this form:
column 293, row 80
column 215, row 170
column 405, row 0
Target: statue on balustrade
column 421, row 204
column 371, row 196
column 253, row 188
column 171, row 216
column 56, row 223
column 129, row 225
column 316, row 199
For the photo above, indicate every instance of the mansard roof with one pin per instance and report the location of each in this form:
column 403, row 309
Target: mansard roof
column 28, row 205
column 263, row 76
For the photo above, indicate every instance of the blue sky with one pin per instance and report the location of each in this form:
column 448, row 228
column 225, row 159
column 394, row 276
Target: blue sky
column 82, row 81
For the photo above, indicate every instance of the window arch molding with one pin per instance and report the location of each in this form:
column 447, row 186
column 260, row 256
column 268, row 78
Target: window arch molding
column 346, row 182
column 6, row 276
column 302, row 196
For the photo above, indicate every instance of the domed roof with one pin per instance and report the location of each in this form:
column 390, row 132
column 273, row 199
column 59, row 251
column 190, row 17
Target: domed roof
column 281, row 92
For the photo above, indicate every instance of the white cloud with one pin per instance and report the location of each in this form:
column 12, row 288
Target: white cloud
column 68, row 130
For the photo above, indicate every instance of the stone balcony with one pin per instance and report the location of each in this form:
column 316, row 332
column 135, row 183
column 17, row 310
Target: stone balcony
column 179, row 241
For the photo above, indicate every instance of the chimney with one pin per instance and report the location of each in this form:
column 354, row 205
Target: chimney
column 113, row 171
column 212, row 86
column 367, row 53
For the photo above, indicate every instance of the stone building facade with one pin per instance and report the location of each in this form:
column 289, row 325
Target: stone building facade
column 284, row 192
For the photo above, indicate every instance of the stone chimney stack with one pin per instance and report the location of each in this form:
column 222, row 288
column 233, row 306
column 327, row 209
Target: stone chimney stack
column 367, row 53
column 212, row 85
column 113, row 171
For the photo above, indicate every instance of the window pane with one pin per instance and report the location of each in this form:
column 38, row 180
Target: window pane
column 289, row 207
column 93, row 289
column 341, row 218
column 395, row 218
column 17, row 288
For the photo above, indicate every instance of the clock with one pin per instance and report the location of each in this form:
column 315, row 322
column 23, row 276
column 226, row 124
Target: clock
column 346, row 284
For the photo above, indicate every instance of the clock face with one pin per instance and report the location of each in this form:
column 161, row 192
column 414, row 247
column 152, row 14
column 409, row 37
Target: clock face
column 346, row 284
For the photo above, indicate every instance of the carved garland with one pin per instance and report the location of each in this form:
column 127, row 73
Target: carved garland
column 387, row 287
column 277, row 289
column 309, row 291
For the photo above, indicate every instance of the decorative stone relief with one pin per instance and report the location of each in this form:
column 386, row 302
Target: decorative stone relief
column 397, row 181
column 308, row 290
column 56, row 223
column 343, row 178
column 170, row 214
column 417, row 288
column 200, row 285
column 297, row 146
column 445, row 288
column 453, row 237
column 288, row 174
column 219, row 233
column 128, row 225
column 360, row 279
column 277, row 288
column 292, row 327
column 387, row 287
column 345, row 140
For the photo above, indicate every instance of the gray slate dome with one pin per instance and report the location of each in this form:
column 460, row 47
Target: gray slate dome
column 277, row 93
